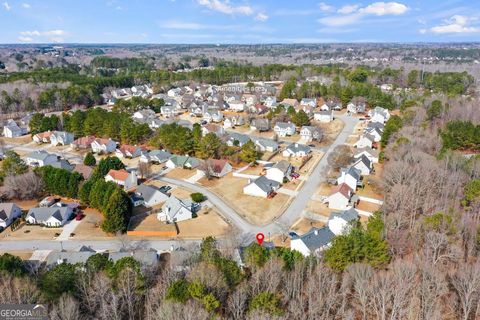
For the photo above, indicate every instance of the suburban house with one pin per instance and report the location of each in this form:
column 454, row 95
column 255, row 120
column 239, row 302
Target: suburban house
column 313, row 242
column 340, row 222
column 8, row 212
column 363, row 164
column 310, row 133
column 356, row 107
column 169, row 111
column 43, row 137
column 351, row 177
column 212, row 128
column 51, row 217
column 237, row 139
column 265, row 145
column 176, row 210
column 323, row 116
column 144, row 114
column 150, row 196
column 128, row 151
column 365, row 141
column 260, row 125
column 250, row 99
column 155, row 156
column 55, row 258
column 62, row 164
column 371, row 154
column 279, row 171
column 85, row 171
column 308, row 102
column 375, row 125
column 376, row 133
column 100, row 145
column 185, row 162
column 261, row 187
column 40, row 158
column 290, row 103
column 296, row 150
column 283, row 129
column 237, row 105
column 218, row 168
column 61, row 138
column 12, row 130
column 379, row 114
column 83, row 142
column 122, row 177
column 340, row 197
column 212, row 116
column 270, row 102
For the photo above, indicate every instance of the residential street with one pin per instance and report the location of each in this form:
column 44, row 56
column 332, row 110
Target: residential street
column 248, row 230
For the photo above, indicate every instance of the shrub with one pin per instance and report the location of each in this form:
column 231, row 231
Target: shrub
column 198, row 197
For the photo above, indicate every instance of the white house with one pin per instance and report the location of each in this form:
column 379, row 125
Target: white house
column 42, row 137
column 371, row 154
column 340, row 197
column 103, row 145
column 12, row 130
column 218, row 168
column 309, row 102
column 61, row 138
column 150, row 196
column 376, row 133
column 313, row 242
column 122, row 177
column 340, row 222
column 310, row 133
column 270, row 102
column 144, row 114
column 237, row 139
column 155, row 156
column 356, row 107
column 365, row 141
column 176, row 210
column 261, row 187
column 8, row 212
column 279, row 171
column 40, row 158
column 323, row 116
column 52, row 216
column 379, row 115
column 265, row 145
column 283, row 129
column 237, row 105
column 260, row 125
column 296, row 150
column 363, row 164
column 351, row 177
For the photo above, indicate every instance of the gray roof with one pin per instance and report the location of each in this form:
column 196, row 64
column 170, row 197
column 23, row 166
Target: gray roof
column 316, row 238
column 62, row 164
column 324, row 113
column 265, row 142
column 265, row 184
column 377, row 125
column 43, row 214
column 282, row 165
column 241, row 138
column 297, row 147
column 347, row 215
column 285, row 125
column 363, row 158
column 145, row 257
column 174, row 205
column 149, row 192
column 6, row 210
column 159, row 154
column 72, row 257
column 373, row 152
column 40, row 155
column 353, row 172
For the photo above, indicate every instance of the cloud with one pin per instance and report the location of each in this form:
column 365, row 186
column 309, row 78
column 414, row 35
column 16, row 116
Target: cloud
column 226, row 7
column 325, row 7
column 261, row 17
column 351, row 14
column 39, row 36
column 385, row 8
column 456, row 24
column 25, row 39
column 26, row 5
column 348, row 9
column 7, row 6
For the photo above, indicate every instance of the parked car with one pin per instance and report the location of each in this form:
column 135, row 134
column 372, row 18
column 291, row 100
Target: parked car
column 79, row 216
column 165, row 189
column 295, row 175
column 312, row 145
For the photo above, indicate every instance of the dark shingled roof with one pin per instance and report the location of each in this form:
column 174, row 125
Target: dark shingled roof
column 316, row 238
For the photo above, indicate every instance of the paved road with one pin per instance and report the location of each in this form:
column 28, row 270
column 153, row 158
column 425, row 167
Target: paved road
column 281, row 224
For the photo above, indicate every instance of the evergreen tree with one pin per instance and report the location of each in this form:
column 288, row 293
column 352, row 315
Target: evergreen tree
column 89, row 159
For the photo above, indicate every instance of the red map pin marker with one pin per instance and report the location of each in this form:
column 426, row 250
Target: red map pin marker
column 260, row 237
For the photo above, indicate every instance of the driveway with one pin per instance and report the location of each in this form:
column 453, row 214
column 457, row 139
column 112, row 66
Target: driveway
column 68, row 228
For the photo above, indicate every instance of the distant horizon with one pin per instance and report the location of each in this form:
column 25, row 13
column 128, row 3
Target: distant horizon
column 238, row 21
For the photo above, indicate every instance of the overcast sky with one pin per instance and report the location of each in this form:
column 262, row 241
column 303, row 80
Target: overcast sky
column 238, row 21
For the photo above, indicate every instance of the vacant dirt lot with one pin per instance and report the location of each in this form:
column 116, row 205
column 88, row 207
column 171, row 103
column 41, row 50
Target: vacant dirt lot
column 330, row 131
column 207, row 223
column 254, row 209
column 179, row 173
column 304, row 225
column 368, row 206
